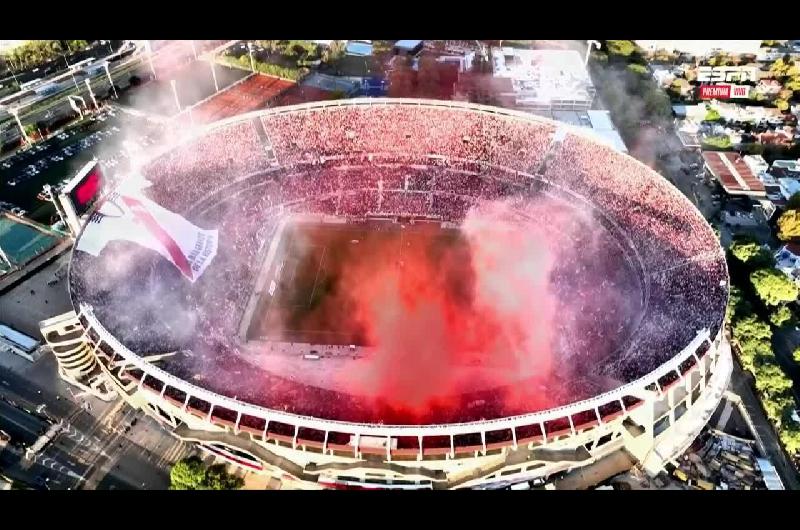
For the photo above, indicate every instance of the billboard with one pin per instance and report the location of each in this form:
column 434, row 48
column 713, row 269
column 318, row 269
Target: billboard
column 80, row 193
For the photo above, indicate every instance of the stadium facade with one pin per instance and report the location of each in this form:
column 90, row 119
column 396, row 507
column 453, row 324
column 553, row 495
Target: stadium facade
column 128, row 337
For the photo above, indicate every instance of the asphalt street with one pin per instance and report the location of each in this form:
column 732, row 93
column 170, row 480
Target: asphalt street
column 102, row 445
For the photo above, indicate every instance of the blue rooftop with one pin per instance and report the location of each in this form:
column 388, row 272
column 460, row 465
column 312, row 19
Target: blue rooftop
column 358, row 48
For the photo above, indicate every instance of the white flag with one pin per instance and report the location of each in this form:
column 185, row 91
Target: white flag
column 130, row 216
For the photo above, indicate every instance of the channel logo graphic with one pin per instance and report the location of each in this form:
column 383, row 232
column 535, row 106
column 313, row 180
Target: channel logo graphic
column 725, row 75
column 724, row 92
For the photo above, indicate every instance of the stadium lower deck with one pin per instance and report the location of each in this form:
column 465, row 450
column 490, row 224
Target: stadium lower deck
column 634, row 277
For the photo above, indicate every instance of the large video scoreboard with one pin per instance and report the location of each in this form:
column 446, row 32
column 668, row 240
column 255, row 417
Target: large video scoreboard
column 80, row 193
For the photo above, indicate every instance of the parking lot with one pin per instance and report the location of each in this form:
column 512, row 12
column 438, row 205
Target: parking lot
column 56, row 160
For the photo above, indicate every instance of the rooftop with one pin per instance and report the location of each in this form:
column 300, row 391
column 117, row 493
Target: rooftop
column 733, row 173
column 544, row 76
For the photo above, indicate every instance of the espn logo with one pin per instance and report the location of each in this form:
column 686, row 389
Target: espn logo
column 726, row 74
column 724, row 92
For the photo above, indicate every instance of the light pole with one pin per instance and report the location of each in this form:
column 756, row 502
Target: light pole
column 589, row 45
column 48, row 194
column 250, row 51
column 15, row 113
column 70, row 72
column 110, row 81
column 175, row 93
column 11, row 69
column 214, row 75
column 150, row 57
column 91, row 94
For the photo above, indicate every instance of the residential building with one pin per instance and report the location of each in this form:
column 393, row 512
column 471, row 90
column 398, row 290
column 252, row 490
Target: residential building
column 702, row 48
column 544, row 79
column 787, row 260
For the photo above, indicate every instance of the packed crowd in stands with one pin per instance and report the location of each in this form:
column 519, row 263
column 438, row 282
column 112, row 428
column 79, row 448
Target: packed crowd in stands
column 356, row 161
column 416, row 130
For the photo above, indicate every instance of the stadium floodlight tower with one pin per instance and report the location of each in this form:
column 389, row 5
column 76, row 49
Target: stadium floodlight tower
column 589, row 45
column 71, row 71
column 214, row 75
column 110, row 81
column 252, row 61
column 149, row 49
column 15, row 112
column 174, row 86
column 91, row 94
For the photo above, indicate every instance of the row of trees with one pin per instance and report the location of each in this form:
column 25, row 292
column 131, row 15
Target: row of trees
column 788, row 73
column 286, row 72
column 37, row 52
column 191, row 474
column 759, row 302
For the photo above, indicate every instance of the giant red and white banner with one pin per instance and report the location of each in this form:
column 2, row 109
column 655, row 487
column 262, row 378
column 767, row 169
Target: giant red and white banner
column 128, row 215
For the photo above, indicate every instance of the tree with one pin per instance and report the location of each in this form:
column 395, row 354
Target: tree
column 712, row 115
column 428, row 77
column 780, row 68
column 336, row 50
column 217, row 478
column 754, row 338
column 738, row 306
column 191, row 474
column 773, row 287
column 789, row 225
column 750, row 252
column 624, row 48
column 776, row 407
column 770, row 379
column 719, row 142
column 187, row 474
column 796, row 355
column 790, row 433
column 638, row 69
column 781, row 316
column 793, row 84
column 781, row 104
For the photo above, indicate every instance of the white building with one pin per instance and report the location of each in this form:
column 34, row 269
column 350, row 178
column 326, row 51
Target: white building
column 701, row 48
column 787, row 260
column 544, row 79
column 756, row 163
column 603, row 128
column 789, row 187
column 789, row 165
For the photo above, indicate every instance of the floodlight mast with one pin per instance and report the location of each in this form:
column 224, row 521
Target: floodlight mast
column 15, row 113
column 110, row 81
column 589, row 45
column 173, row 83
column 150, row 57
column 214, row 75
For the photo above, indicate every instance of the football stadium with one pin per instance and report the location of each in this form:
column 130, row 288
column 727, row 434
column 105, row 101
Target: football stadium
column 403, row 293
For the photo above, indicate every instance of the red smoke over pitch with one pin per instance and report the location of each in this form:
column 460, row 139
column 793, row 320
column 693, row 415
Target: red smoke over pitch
column 472, row 314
